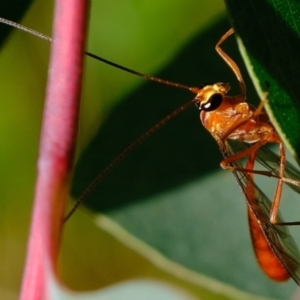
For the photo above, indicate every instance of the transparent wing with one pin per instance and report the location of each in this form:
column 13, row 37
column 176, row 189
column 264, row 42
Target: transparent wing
column 278, row 236
column 270, row 160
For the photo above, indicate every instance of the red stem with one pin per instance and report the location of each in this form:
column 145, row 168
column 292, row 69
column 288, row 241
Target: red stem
column 57, row 145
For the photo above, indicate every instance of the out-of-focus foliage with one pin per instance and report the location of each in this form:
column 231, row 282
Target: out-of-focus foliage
column 156, row 193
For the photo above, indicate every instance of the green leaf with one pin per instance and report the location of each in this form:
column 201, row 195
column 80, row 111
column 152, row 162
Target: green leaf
column 270, row 43
column 151, row 193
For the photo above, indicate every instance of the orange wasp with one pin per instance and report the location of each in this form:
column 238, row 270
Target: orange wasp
column 241, row 131
column 231, row 120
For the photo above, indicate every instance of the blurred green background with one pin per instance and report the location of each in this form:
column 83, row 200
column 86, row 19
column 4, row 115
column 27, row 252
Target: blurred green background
column 169, row 192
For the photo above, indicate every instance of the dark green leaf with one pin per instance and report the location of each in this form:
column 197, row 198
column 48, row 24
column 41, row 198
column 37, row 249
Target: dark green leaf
column 270, row 33
column 202, row 225
column 12, row 10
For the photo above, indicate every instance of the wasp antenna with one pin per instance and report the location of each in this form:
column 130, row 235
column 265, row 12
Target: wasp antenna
column 26, row 29
column 123, row 154
column 148, row 77
column 194, row 90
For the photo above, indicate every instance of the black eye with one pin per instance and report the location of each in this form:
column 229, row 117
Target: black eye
column 213, row 102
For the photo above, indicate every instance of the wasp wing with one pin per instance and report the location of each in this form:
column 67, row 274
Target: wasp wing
column 271, row 161
column 277, row 236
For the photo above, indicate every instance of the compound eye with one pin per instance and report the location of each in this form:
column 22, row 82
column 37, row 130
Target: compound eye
column 213, row 102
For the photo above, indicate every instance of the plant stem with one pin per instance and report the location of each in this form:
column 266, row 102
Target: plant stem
column 58, row 138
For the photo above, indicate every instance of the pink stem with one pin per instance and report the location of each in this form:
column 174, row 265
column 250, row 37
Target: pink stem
column 57, row 146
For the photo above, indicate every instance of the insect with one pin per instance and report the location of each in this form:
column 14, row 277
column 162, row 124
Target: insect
column 241, row 131
column 232, row 119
